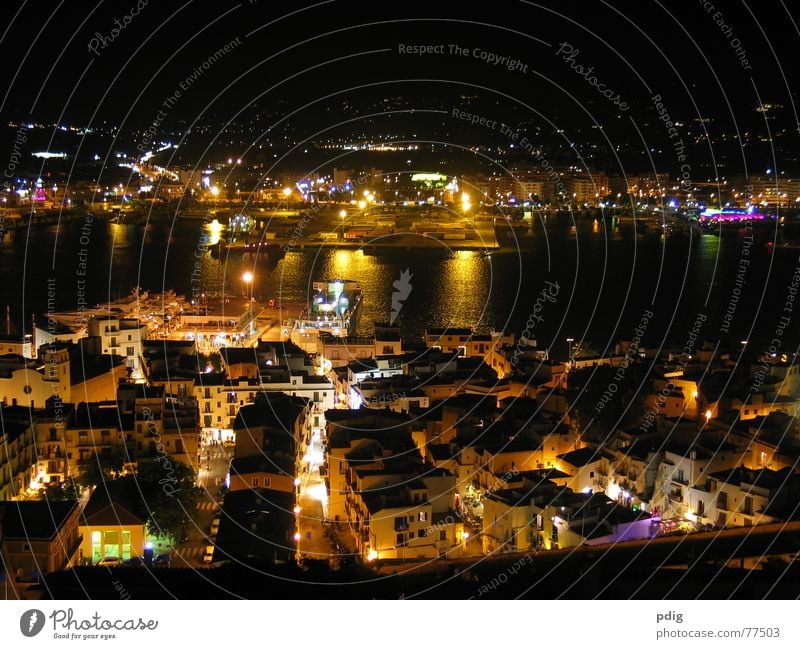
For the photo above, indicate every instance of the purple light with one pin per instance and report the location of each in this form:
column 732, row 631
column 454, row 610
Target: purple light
column 730, row 215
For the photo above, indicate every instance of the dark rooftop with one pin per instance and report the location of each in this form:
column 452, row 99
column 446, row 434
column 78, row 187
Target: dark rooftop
column 583, row 456
column 35, row 519
column 114, row 504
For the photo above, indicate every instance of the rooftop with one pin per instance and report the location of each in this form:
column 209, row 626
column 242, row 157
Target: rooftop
column 584, row 456
column 35, row 519
column 114, row 505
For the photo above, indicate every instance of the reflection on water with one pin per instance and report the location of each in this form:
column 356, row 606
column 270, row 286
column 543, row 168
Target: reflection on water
column 214, row 231
column 465, row 290
column 604, row 271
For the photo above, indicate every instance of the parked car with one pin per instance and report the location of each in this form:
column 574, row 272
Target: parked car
column 214, row 528
column 161, row 561
column 135, row 562
column 208, row 555
column 109, row 562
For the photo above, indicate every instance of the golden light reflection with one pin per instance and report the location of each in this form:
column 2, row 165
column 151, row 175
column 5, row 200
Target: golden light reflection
column 462, row 290
column 214, row 232
column 342, row 260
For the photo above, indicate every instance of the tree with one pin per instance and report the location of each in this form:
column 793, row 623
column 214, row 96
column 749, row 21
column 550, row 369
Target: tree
column 171, row 496
column 99, row 469
column 165, row 488
column 68, row 490
column 603, row 398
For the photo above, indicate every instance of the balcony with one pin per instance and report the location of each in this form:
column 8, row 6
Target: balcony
column 676, row 497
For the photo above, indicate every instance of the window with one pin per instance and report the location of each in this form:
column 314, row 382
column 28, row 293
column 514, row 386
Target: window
column 129, row 351
column 423, row 516
column 255, row 482
column 443, row 535
column 591, row 474
column 701, row 508
column 126, row 544
column 97, row 551
column 423, row 533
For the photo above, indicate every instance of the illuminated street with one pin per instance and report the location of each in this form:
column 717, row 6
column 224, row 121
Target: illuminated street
column 313, row 503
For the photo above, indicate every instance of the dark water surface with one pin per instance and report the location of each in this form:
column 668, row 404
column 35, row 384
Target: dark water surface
column 606, row 273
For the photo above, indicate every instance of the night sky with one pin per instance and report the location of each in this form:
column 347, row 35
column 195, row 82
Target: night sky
column 335, row 69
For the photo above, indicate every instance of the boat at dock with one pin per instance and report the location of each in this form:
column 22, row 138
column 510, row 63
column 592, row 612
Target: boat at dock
column 334, row 308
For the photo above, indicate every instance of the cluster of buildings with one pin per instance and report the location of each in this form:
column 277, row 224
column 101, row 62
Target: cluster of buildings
column 711, row 448
column 76, row 403
column 469, row 443
column 582, row 187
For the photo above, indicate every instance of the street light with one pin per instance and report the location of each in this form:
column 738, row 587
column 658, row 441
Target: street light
column 343, row 214
column 247, row 278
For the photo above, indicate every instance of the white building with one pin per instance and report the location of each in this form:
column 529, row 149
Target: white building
column 121, row 337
